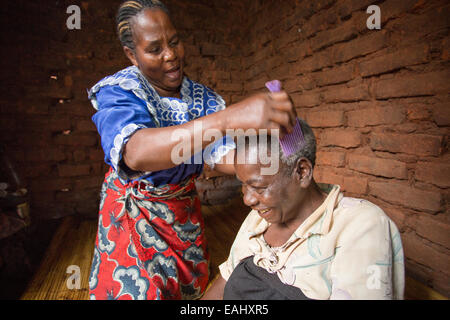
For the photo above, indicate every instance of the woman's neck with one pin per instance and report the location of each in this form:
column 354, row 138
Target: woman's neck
column 164, row 93
column 312, row 200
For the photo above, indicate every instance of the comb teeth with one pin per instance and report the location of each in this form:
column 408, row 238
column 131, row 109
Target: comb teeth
column 293, row 141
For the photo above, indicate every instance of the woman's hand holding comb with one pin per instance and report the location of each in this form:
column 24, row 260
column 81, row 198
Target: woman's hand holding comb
column 262, row 111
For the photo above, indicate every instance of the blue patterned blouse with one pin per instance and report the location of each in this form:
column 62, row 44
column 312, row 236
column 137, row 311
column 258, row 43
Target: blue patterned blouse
column 126, row 102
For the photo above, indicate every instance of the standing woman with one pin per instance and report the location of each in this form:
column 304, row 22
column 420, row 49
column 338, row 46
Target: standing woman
column 150, row 241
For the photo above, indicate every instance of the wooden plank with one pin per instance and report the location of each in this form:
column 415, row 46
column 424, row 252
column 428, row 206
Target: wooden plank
column 72, row 244
column 221, row 226
column 415, row 290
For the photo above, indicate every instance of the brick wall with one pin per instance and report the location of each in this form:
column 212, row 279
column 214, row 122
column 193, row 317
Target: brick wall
column 378, row 102
column 45, row 114
column 46, row 69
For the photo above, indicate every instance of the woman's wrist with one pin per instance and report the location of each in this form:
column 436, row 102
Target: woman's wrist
column 228, row 120
column 220, row 121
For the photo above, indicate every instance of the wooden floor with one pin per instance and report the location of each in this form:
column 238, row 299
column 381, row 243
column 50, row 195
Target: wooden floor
column 73, row 243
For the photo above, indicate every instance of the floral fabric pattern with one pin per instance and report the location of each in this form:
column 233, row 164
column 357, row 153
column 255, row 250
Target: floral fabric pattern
column 150, row 243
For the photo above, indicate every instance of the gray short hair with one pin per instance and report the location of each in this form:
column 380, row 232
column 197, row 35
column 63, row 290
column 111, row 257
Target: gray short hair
column 308, row 150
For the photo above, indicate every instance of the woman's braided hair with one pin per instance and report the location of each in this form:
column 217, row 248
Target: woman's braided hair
column 129, row 9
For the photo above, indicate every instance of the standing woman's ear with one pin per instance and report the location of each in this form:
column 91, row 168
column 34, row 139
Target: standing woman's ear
column 130, row 55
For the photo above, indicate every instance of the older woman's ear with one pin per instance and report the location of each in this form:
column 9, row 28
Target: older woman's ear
column 303, row 172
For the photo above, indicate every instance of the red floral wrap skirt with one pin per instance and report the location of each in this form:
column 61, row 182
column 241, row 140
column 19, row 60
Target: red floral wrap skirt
column 150, row 242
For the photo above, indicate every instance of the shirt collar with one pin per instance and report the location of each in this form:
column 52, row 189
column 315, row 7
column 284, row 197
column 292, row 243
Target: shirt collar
column 319, row 221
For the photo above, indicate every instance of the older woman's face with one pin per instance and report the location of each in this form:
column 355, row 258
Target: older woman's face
column 159, row 53
column 275, row 197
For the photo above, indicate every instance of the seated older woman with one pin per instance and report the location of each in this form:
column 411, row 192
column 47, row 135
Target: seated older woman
column 305, row 241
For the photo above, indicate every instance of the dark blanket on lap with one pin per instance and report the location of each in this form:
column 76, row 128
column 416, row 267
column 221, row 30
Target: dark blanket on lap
column 251, row 282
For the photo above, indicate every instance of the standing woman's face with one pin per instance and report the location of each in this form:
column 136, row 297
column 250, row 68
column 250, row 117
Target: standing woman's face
column 159, row 53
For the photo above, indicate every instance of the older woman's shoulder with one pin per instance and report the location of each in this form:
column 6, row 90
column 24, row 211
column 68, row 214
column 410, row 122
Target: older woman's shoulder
column 360, row 211
column 353, row 205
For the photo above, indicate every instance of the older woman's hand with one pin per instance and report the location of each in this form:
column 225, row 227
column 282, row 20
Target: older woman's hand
column 262, row 111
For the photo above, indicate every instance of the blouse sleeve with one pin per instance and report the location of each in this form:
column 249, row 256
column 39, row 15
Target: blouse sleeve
column 120, row 114
column 214, row 152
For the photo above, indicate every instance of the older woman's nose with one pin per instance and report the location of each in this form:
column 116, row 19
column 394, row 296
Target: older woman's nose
column 249, row 199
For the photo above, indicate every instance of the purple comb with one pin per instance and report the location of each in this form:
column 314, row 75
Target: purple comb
column 293, row 141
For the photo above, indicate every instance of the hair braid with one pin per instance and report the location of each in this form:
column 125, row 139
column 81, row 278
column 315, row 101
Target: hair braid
column 129, row 9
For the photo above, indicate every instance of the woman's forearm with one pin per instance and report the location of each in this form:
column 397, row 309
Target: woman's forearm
column 154, row 149
column 215, row 291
